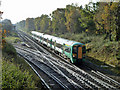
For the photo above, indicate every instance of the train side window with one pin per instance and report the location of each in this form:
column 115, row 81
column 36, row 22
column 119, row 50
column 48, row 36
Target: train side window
column 41, row 38
column 53, row 42
column 45, row 39
column 48, row 41
column 63, row 48
column 58, row 45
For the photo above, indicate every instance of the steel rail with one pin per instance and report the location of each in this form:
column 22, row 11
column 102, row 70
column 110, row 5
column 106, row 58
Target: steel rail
column 56, row 69
column 50, row 75
column 44, row 83
column 108, row 78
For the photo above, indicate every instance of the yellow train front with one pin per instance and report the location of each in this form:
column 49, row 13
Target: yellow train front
column 75, row 51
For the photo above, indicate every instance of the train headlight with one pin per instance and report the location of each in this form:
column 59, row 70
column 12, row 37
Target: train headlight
column 73, row 55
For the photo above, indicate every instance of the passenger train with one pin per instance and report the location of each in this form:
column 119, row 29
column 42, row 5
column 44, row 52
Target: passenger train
column 74, row 51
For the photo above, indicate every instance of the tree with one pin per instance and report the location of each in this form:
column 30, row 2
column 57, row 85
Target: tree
column 72, row 13
column 7, row 25
column 29, row 24
column 86, row 20
column 58, row 21
column 98, row 18
column 21, row 25
column 44, row 22
column 106, row 19
column 118, row 22
column 37, row 23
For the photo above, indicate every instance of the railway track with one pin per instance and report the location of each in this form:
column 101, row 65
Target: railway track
column 74, row 75
column 35, row 69
column 33, row 61
column 102, row 77
column 47, row 69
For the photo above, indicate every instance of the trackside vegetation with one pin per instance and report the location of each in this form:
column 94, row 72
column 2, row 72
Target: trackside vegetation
column 16, row 73
column 12, row 76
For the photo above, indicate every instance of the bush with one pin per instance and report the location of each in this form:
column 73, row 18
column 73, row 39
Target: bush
column 13, row 78
column 12, row 39
column 16, row 71
column 9, row 49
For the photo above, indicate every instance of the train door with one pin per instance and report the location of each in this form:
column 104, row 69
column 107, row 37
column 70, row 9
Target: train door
column 79, row 52
column 51, row 43
column 55, row 45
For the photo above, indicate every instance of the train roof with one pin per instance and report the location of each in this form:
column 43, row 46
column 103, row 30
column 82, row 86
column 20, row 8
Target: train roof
column 37, row 33
column 57, row 39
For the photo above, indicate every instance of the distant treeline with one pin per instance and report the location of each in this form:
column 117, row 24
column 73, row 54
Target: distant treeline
column 7, row 27
column 95, row 18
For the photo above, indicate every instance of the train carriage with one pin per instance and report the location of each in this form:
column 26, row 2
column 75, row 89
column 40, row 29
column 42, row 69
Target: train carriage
column 37, row 36
column 73, row 50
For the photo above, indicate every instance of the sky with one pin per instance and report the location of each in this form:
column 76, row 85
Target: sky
column 18, row 10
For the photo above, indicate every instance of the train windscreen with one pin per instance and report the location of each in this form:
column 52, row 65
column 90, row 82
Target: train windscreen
column 77, row 52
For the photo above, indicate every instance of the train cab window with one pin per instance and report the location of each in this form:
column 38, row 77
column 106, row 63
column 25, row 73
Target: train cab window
column 74, row 49
column 84, row 49
column 67, row 49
